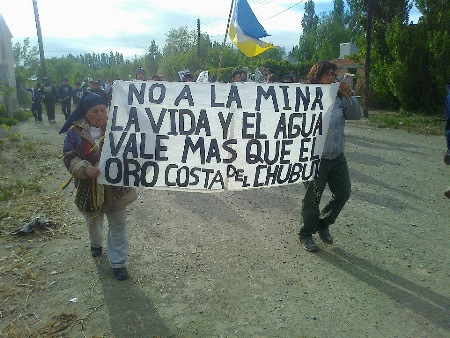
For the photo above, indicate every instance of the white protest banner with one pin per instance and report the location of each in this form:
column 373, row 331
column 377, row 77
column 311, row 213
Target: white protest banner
column 214, row 136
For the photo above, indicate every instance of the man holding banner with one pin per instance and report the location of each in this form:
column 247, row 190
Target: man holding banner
column 333, row 167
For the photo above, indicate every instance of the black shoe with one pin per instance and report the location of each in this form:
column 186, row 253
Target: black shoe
column 95, row 252
column 325, row 236
column 447, row 193
column 120, row 273
column 308, row 243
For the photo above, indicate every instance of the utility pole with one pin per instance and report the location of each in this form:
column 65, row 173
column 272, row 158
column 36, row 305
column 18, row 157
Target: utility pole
column 224, row 40
column 41, row 45
column 367, row 62
column 198, row 39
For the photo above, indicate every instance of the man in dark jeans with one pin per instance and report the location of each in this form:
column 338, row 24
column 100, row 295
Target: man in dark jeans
column 65, row 93
column 50, row 98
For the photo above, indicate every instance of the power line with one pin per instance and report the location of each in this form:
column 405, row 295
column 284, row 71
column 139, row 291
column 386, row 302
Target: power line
column 212, row 20
column 284, row 10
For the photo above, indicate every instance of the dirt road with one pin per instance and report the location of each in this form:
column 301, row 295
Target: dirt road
column 229, row 264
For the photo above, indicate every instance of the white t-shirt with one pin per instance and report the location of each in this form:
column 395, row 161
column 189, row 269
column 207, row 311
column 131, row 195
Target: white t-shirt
column 96, row 133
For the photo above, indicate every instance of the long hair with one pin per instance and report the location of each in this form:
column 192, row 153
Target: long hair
column 320, row 68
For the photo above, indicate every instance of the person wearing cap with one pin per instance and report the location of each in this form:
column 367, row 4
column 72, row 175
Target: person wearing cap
column 65, row 92
column 140, row 74
column 85, row 130
column 50, row 98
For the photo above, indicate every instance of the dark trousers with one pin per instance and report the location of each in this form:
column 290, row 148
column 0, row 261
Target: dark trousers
column 66, row 106
column 334, row 173
column 50, row 107
column 36, row 110
column 447, row 133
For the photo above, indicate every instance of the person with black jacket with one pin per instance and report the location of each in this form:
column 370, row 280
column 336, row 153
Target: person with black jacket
column 50, row 98
column 65, row 92
column 36, row 101
column 78, row 93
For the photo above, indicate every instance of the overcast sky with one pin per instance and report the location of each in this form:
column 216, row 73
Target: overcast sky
column 128, row 26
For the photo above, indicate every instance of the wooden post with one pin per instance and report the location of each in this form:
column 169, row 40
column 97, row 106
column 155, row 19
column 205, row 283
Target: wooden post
column 367, row 62
column 225, row 39
column 41, row 45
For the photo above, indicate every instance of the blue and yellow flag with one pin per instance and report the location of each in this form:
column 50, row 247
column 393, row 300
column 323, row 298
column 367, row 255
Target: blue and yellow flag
column 245, row 30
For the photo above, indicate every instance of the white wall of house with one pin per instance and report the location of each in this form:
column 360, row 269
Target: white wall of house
column 7, row 74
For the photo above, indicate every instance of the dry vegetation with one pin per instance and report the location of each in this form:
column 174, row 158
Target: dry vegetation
column 26, row 168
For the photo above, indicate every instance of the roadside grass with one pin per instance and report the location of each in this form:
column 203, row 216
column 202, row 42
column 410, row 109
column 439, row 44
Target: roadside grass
column 26, row 167
column 12, row 186
column 411, row 122
column 18, row 187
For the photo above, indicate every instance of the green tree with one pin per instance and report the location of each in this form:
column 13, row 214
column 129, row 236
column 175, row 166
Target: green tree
column 385, row 12
column 153, row 58
column 180, row 41
column 331, row 33
column 323, row 35
column 338, row 13
column 310, row 20
column 27, row 66
column 26, row 55
column 307, row 45
column 435, row 23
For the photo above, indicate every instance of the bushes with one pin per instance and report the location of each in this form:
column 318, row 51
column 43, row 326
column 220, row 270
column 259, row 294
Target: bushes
column 18, row 116
column 3, row 112
column 22, row 115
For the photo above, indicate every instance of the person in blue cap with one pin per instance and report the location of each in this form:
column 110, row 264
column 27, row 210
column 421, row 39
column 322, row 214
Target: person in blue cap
column 85, row 130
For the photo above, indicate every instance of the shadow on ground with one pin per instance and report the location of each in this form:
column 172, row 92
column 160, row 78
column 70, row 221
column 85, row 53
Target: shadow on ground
column 131, row 312
column 426, row 303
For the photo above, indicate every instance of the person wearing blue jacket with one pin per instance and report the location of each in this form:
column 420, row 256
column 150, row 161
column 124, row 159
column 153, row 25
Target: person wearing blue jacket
column 333, row 165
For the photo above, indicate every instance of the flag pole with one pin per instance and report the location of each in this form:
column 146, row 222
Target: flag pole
column 225, row 39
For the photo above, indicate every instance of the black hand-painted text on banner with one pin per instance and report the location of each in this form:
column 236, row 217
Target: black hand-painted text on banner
column 211, row 137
